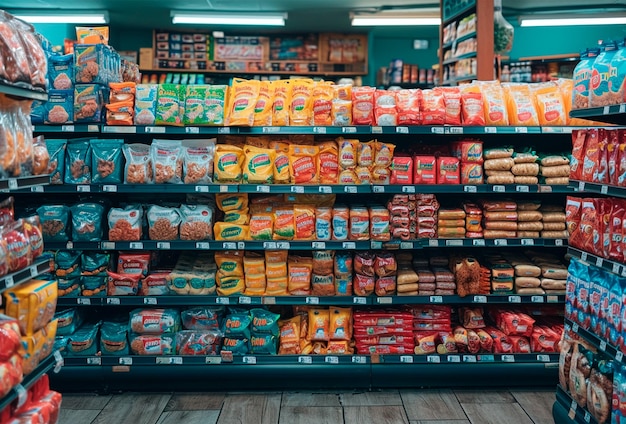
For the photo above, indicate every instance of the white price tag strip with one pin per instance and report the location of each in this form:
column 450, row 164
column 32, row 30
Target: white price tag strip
column 402, row 130
column 515, row 299
column 543, row 358
column 480, row 299
column 619, row 356
column 499, row 189
column 164, row 245
column 359, row 300
column 222, row 301
column 470, row 189
column 349, row 245
column 377, row 130
column 192, row 130
column 408, row 189
column 537, row 299
column 478, row 242
column 245, row 300
column 378, row 189
column 331, row 359
column 150, row 301
column 113, row 301
column 251, row 360
column 384, row 300
column 436, row 299
column 434, row 359
column 469, row 358
column 297, row 189
column 319, row 130
column 604, row 189
column 406, row 359
column 263, row 189
column 603, row 345
column 126, row 361
column 501, row 242
column 109, row 188
column 203, row 245
column 8, row 281
column 350, row 189
column 528, row 242
column 312, row 300
column 136, row 245
column 348, row 130
column 94, row 361
column 305, row 360
column 491, row 130
column 508, row 358
column 359, row 360
column 318, row 245
column 454, row 358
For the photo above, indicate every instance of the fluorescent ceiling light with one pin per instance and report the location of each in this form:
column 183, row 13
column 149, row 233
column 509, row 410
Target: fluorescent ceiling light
column 394, row 21
column 64, row 18
column 540, row 22
column 277, row 19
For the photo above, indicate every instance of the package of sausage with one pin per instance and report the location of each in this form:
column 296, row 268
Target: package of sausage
column 425, row 170
column 448, row 171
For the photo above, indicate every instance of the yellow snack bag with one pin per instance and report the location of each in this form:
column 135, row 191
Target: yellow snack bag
column 264, row 104
column 225, row 231
column 328, row 159
column 323, row 94
column 258, row 165
column 231, row 201
column 566, row 86
column 520, row 105
column 277, row 286
column 281, row 163
column 303, row 164
column 276, row 270
column 276, row 257
column 301, row 107
column 32, row 304
column 255, row 281
column 300, row 270
column 319, row 325
column 229, row 263
column 262, row 226
column 284, row 226
column 549, row 104
column 282, row 100
column 340, row 323
column 253, row 263
column 228, row 163
column 347, row 152
column 241, row 217
column 384, row 154
column 342, row 92
column 304, row 218
column 229, row 286
column 242, row 102
column 494, row 103
column 342, row 113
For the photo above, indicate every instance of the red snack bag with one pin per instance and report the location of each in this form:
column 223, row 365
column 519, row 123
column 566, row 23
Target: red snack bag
column 385, row 110
column 452, row 101
column 408, row 106
column 520, row 344
column 122, row 284
column 18, row 246
column 133, row 263
column 601, row 175
column 606, row 211
column 7, row 214
column 401, row 170
column 363, row 285
column 468, row 151
column 433, row 109
column 621, row 154
column 590, row 156
column 601, row 207
column 425, row 170
column 612, row 154
column 501, row 343
column 587, row 225
column 363, row 105
column 448, row 171
column 615, row 230
column 472, row 107
column 515, row 323
column 573, row 214
column 579, row 138
column 34, row 232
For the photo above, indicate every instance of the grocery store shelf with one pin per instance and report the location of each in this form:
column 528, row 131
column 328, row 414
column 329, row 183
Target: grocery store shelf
column 481, row 358
column 600, row 344
column 455, row 59
column 567, row 411
column 615, row 114
column 492, row 299
column 466, row 188
column 308, row 189
column 135, row 188
column 68, row 128
column 19, row 392
column 609, row 190
column 511, row 242
column 23, row 275
column 12, row 184
column 609, row 265
column 459, row 39
column 23, row 92
column 142, row 129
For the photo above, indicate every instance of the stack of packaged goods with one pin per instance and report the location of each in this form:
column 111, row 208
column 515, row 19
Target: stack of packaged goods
column 41, row 405
column 427, row 208
column 529, row 219
column 152, row 331
column 230, row 278
column 555, row 169
column 500, row 219
column 429, row 322
column 527, row 275
column 383, row 332
column 598, row 156
column 470, row 154
column 502, row 272
column 554, row 221
column 12, row 361
column 473, row 220
column 121, row 105
column 407, row 279
column 235, row 225
column 192, row 275
column 276, row 272
column 525, row 169
column 553, row 273
column 451, row 223
column 201, row 334
column 498, row 166
column 426, row 277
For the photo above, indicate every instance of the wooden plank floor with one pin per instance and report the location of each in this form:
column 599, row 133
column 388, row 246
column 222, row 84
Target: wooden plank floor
column 377, row 407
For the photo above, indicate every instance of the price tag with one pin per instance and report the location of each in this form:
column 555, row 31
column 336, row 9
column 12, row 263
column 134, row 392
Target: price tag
column 251, row 360
column 545, row 189
column 126, row 361
column 454, row 358
column 406, row 359
column 223, row 130
column 136, row 245
column 59, row 361
column 480, row 299
column 305, row 360
column 528, row 242
column 312, row 300
column 408, row 189
column 436, row 299
column 68, row 128
column 94, row 361
column 406, row 245
column 164, row 245
column 22, row 395
column 615, row 268
column 604, row 189
column 515, row 299
column 622, row 108
column 319, row 130
column 469, row 358
column 456, row 242
column 177, row 360
column 213, row 360
column 572, row 410
column 359, row 360
column 359, row 300
column 491, row 130
column 470, row 189
column 285, row 245
column 433, row 359
column 456, row 130
column 107, row 245
column 201, row 189
column 192, row 130
column 433, row 243
column 271, row 130
column 318, row 245
column 377, row 130
column 203, row 245
column 222, row 301
column 376, row 245
column 69, row 245
column 109, row 188
column 162, row 360
column 587, row 417
column 619, row 355
column 83, row 188
column 508, row 358
column 263, row 189
column 603, row 345
column 245, row 300
column 575, row 327
column 581, row 186
column 552, row 298
column 478, row 242
column 384, row 300
column 584, row 256
column 8, row 281
column 498, row 189
column 331, row 359
column 269, row 300
column 113, row 301
column 269, row 245
column 437, row 130
column 155, row 130
column 521, row 130
column 558, row 242
column 402, row 130
column 350, row 189
column 348, row 245
column 224, row 189
column 348, row 130
column 501, row 242
column 325, row 189
column 543, row 358
column 37, row 189
column 229, row 245
column 599, row 262
column 33, row 272
column 297, row 189
column 522, row 188
column 150, row 301
column 378, row 189
column 83, row 301
column 606, row 110
column 537, row 299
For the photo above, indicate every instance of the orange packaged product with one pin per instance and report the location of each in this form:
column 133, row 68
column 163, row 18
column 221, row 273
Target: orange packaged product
column 120, row 113
column 347, row 152
column 363, row 175
column 261, row 226
column 520, row 105
column 290, row 336
column 379, row 224
column 359, row 225
column 472, row 173
column 342, row 92
column 323, row 94
column 365, row 153
column 381, row 175
column 549, row 104
column 284, row 224
column 282, row 100
column 122, row 92
column 303, row 164
column 433, row 109
column 299, row 273
column 348, row 177
column 452, row 101
column 304, row 218
column 301, row 110
column 328, row 162
column 340, row 324
column 590, row 155
column 448, row 171
column 494, row 103
column 242, row 102
column 318, row 325
column 341, row 113
column 263, row 110
column 408, row 106
column 363, row 105
column 384, row 154
column 472, row 105
column 277, row 286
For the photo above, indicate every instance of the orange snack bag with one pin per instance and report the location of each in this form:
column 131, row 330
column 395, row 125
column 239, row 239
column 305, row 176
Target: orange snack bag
column 520, row 105
column 319, row 325
column 433, row 108
column 323, row 94
column 494, row 103
column 303, row 164
column 276, row 257
column 348, row 176
column 328, row 162
column 301, row 109
column 365, row 153
column 340, row 323
column 261, row 226
column 299, row 273
column 282, row 100
column 472, row 105
column 384, row 154
column 281, row 162
column 452, row 101
column 242, row 102
column 290, row 336
column 359, row 224
column 342, row 113
column 363, row 175
column 304, row 218
column 253, row 264
column 264, row 104
column 342, row 92
column 347, row 152
column 549, row 104
column 284, row 226
column 408, row 106
column 363, row 105
column 277, row 286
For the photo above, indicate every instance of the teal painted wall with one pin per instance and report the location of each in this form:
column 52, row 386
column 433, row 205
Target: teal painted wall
column 57, row 33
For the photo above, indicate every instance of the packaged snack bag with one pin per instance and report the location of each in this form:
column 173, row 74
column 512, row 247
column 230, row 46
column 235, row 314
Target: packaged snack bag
column 341, row 113
column 301, row 107
column 408, row 106
column 169, row 105
column 264, row 104
column 328, row 162
column 198, row 161
column 472, row 105
column 452, row 101
column 106, row 161
column 258, row 167
column 322, row 103
column 167, row 161
column 549, row 104
column 494, row 103
column 242, row 102
column 599, row 88
column 303, row 164
column 433, row 108
column 363, row 105
column 520, row 105
column 304, row 220
column 282, row 101
column 284, row 223
column 385, row 111
column 228, row 163
column 347, row 152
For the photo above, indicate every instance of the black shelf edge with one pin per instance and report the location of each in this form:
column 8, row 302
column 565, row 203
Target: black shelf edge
column 162, row 129
column 13, row 184
column 615, row 114
column 511, row 242
column 492, row 299
column 465, row 358
column 599, row 343
column 44, row 366
column 308, row 189
column 595, row 188
column 23, row 92
column 23, row 275
column 471, row 55
column 134, row 188
column 575, row 413
column 67, row 128
column 617, row 268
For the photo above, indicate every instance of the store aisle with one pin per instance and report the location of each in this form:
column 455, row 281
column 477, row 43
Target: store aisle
column 516, row 406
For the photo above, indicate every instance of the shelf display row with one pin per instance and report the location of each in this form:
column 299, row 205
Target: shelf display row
column 39, row 267
column 613, row 114
column 33, row 183
column 594, row 188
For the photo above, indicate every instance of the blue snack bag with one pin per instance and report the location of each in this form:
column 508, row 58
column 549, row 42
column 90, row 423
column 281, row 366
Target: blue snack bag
column 77, row 161
column 87, row 222
column 106, row 161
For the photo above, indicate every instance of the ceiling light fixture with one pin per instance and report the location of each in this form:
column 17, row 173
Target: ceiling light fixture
column 536, row 21
column 263, row 19
column 396, row 18
column 65, row 17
